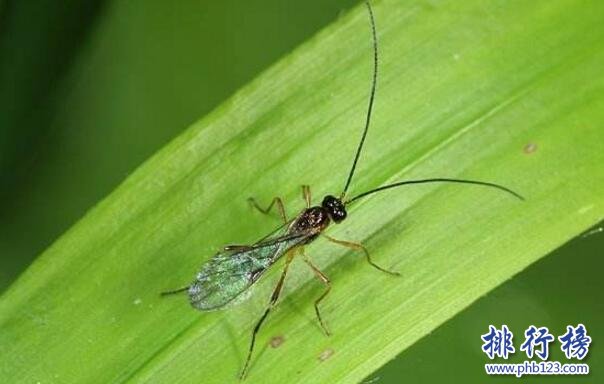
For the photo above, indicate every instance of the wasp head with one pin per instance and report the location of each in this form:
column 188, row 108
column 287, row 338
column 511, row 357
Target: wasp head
column 334, row 207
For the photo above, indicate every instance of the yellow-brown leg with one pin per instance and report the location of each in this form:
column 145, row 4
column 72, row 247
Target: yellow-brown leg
column 277, row 201
column 325, row 280
column 360, row 247
column 272, row 302
column 306, row 195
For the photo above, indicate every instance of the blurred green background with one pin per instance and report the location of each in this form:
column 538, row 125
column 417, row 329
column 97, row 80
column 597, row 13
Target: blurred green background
column 90, row 89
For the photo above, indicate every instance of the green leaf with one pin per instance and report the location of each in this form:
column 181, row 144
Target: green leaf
column 508, row 92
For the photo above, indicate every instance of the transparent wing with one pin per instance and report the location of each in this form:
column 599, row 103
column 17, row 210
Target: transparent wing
column 229, row 273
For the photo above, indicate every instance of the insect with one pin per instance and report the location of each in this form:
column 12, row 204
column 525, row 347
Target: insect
column 233, row 270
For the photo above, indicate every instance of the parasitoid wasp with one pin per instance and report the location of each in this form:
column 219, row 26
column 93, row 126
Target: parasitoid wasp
column 233, row 270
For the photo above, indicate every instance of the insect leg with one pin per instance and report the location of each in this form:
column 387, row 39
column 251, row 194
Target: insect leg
column 274, row 298
column 266, row 211
column 179, row 290
column 306, row 195
column 360, row 247
column 325, row 280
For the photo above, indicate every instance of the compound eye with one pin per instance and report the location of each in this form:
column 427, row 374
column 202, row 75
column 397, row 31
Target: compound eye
column 330, row 202
column 339, row 214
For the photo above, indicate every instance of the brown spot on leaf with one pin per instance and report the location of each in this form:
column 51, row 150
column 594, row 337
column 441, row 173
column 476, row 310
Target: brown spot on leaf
column 326, row 354
column 276, row 341
column 529, row 148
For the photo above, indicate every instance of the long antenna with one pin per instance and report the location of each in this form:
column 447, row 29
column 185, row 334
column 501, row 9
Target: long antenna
column 368, row 120
column 371, row 97
column 439, row 180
